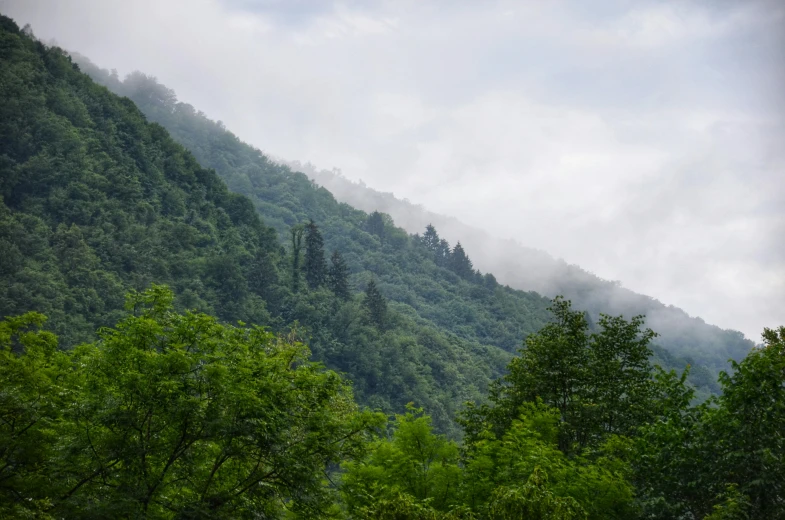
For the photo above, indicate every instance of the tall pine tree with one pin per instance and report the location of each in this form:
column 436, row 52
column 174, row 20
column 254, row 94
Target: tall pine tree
column 460, row 264
column 430, row 238
column 376, row 225
column 297, row 246
column 442, row 253
column 376, row 305
column 315, row 264
column 338, row 276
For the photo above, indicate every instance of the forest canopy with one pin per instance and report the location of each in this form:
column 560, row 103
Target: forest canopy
column 174, row 415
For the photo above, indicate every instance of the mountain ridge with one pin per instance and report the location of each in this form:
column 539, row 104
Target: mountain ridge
column 684, row 336
column 100, row 200
column 550, row 270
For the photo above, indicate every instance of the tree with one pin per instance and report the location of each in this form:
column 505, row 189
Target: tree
column 724, row 458
column 263, row 277
column 170, row 415
column 31, row 399
column 601, row 383
column 430, row 238
column 315, row 264
column 297, row 246
column 522, row 469
column 442, row 253
column 375, row 305
column 414, row 462
column 338, row 276
column 460, row 264
column 748, row 428
column 375, row 225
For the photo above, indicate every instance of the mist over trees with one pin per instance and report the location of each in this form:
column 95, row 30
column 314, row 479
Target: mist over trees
column 682, row 340
column 173, row 349
column 530, row 269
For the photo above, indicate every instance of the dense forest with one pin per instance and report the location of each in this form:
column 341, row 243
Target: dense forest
column 195, row 331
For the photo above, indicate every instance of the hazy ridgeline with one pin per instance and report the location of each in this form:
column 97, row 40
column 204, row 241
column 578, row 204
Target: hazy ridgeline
column 531, row 269
column 242, row 166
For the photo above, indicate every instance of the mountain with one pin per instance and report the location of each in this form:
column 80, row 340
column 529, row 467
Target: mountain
column 531, row 269
column 284, row 198
column 98, row 201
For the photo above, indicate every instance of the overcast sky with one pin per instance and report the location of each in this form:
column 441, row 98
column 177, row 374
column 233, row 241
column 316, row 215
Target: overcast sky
column 641, row 140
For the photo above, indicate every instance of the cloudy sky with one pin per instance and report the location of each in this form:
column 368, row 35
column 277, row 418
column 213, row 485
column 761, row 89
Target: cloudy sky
column 643, row 140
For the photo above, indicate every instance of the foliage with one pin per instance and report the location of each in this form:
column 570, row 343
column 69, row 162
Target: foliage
column 171, row 415
column 375, row 305
column 30, row 400
column 600, row 382
column 724, row 458
column 413, row 462
column 97, row 201
column 705, row 347
column 315, row 265
column 338, row 276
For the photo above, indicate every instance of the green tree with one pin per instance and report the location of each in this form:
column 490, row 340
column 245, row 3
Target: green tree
column 460, row 264
column 430, row 238
column 442, row 253
column 748, row 428
column 375, row 305
column 375, row 225
column 31, row 399
column 725, row 457
column 600, row 382
column 413, row 462
column 523, row 472
column 315, row 265
column 338, row 276
column 533, row 501
column 171, row 415
column 263, row 278
column 297, row 247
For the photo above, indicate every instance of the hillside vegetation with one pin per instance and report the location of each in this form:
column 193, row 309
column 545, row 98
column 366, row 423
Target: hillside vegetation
column 284, row 197
column 98, row 201
column 530, row 269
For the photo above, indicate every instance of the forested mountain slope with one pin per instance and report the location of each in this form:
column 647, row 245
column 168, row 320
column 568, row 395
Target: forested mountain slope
column 97, row 201
column 531, row 269
column 285, row 197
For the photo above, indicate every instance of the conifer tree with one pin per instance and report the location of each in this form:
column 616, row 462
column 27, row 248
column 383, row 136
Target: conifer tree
column 376, row 225
column 338, row 276
column 315, row 264
column 376, row 305
column 459, row 262
column 297, row 246
column 430, row 238
column 443, row 253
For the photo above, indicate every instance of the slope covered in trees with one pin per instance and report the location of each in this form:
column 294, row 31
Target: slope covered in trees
column 97, row 201
column 526, row 268
column 405, row 267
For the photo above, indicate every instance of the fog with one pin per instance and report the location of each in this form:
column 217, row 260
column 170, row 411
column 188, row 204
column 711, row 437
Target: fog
column 643, row 141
